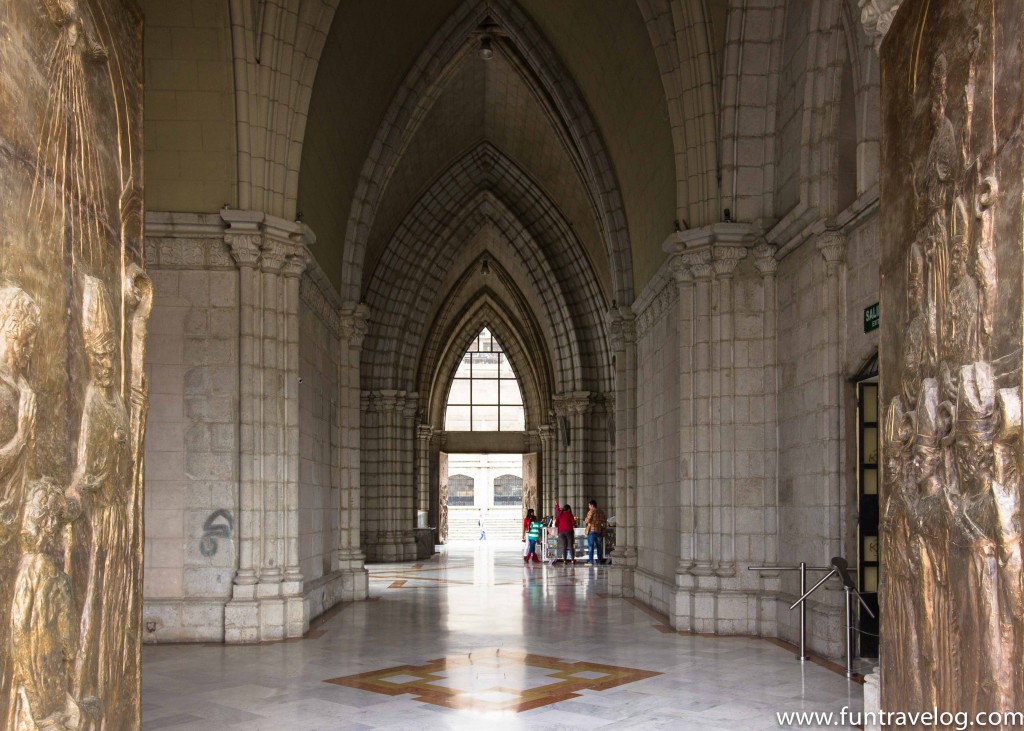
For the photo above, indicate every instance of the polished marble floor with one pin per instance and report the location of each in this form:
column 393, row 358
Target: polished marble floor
column 472, row 639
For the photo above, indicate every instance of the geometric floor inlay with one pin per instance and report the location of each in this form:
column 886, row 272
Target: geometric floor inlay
column 494, row 681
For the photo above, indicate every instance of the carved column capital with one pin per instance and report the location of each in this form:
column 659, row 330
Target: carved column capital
column 726, row 258
column 272, row 257
column 245, row 249
column 386, row 400
column 410, row 405
column 424, row 432
column 546, row 433
column 353, row 322
column 680, row 270
column 832, row 247
column 764, row 259
column 876, row 16
column 621, row 328
column 296, row 262
column 700, row 264
column 576, row 402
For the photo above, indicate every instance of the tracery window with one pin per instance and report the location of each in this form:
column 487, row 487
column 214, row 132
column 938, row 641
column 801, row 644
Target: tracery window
column 508, row 490
column 485, row 394
column 460, row 490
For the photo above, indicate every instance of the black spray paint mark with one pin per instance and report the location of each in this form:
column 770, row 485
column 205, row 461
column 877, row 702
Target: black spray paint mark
column 212, row 530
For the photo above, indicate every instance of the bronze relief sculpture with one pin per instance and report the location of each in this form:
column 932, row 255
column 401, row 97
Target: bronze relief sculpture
column 74, row 301
column 951, row 594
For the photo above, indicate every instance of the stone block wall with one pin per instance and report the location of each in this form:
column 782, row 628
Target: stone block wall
column 192, row 457
column 318, row 441
column 813, row 502
column 190, row 106
column 658, row 480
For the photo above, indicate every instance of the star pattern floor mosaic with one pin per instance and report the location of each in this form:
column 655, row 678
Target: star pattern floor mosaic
column 494, row 681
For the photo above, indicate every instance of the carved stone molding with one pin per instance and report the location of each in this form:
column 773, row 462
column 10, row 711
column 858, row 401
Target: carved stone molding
column 354, row 318
column 700, row 263
column 876, row 16
column 680, row 270
column 832, row 247
column 764, row 259
column 725, row 259
column 622, row 328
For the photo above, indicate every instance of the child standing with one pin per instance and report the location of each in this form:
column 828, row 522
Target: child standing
column 532, row 536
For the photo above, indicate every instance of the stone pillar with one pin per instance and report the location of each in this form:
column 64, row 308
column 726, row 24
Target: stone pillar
column 424, row 434
column 245, row 248
column 725, row 259
column 832, row 246
column 547, row 433
column 408, row 499
column 350, row 559
column 295, row 612
column 267, row 595
column 767, row 265
column 701, row 269
column 622, row 330
column 577, row 406
column 684, row 326
column 392, row 498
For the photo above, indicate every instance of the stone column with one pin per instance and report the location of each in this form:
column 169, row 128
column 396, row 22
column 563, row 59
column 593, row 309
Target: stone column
column 371, row 527
column 622, row 331
column 767, row 265
column 578, row 405
column 271, row 455
column 424, row 434
column 832, row 246
column 408, row 498
column 295, row 614
column 267, row 594
column 245, row 248
column 725, row 259
column 701, row 269
column 549, row 465
column 687, row 507
column 353, row 319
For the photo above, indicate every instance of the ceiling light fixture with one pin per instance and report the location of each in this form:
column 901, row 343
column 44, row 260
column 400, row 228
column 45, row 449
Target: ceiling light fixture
column 485, row 267
column 486, row 52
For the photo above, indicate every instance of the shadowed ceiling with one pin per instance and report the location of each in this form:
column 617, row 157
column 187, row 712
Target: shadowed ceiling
column 604, row 47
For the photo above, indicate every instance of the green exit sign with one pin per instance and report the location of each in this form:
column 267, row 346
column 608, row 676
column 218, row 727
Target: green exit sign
column 871, row 318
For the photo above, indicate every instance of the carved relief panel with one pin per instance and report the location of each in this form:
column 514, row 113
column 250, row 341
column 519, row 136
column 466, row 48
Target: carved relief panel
column 74, row 302
column 951, row 597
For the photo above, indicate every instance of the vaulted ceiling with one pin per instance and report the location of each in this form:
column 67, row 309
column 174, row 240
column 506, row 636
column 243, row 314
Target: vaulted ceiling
column 520, row 102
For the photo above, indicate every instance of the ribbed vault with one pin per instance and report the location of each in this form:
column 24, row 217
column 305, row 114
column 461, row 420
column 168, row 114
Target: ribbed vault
column 525, row 48
column 528, row 238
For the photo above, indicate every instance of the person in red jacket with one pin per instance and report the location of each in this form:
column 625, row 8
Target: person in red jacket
column 565, row 523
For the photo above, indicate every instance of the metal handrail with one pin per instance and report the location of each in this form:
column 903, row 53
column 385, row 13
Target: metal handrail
column 838, row 567
column 803, row 568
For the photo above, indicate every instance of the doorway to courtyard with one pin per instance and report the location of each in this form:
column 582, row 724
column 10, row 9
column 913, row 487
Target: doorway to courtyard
column 485, row 496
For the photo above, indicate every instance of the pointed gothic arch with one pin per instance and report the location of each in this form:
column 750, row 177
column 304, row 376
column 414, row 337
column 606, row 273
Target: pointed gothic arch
column 414, row 267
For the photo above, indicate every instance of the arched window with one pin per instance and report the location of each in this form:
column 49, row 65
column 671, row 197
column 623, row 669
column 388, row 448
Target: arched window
column 485, row 395
column 460, row 490
column 508, row 490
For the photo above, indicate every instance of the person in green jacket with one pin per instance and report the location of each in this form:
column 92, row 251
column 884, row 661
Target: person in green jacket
column 532, row 536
